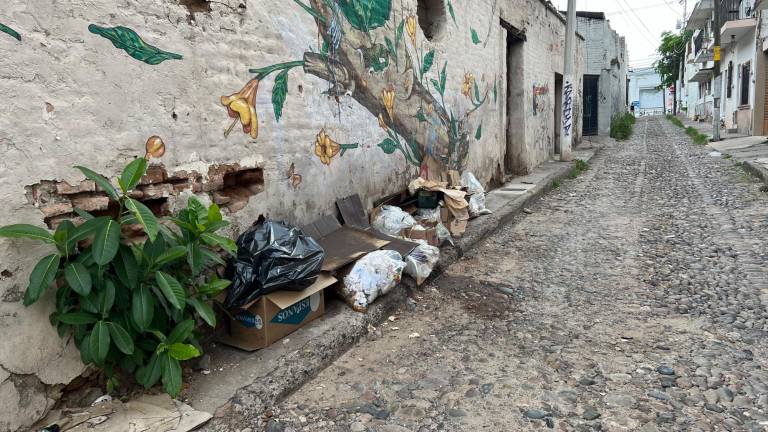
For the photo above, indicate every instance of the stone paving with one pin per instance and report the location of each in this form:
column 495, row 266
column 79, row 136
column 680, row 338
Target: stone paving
column 631, row 298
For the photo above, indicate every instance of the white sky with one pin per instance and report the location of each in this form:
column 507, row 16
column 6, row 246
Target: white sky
column 640, row 21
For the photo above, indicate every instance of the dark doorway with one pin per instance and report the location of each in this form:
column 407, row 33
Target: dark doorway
column 515, row 158
column 590, row 104
column 558, row 110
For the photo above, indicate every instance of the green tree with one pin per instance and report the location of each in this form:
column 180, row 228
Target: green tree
column 672, row 53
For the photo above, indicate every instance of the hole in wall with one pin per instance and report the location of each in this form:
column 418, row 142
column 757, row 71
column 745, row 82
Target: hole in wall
column 195, row 6
column 232, row 186
column 432, row 18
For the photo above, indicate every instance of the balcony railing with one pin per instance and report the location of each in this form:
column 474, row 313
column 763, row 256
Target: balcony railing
column 732, row 10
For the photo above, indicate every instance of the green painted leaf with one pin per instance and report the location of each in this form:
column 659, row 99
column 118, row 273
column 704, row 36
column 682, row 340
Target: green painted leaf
column 171, row 372
column 9, row 31
column 121, row 338
column 225, row 243
column 475, row 38
column 436, row 84
column 429, row 58
column 26, row 231
column 41, row 278
column 443, row 78
column 477, row 92
column 130, row 42
column 391, row 48
column 78, row 318
column 142, row 308
column 366, row 15
column 376, row 57
column 181, row 332
column 99, row 342
column 171, row 289
column 204, row 310
column 389, row 146
column 479, row 133
column 399, row 33
column 495, row 90
column 452, row 12
column 144, row 216
column 279, row 93
column 101, row 182
column 171, row 255
column 181, row 351
column 420, row 114
column 133, row 173
column 78, row 278
column 106, row 242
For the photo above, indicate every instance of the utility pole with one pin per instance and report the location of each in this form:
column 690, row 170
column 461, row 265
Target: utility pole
column 717, row 86
column 566, row 131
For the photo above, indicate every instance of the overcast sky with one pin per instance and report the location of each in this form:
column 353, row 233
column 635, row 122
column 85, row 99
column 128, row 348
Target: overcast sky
column 640, row 21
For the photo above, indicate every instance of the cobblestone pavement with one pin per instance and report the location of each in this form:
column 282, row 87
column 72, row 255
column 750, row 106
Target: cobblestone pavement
column 631, row 298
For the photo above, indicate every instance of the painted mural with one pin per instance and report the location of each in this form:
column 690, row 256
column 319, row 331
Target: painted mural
column 9, row 31
column 130, row 42
column 540, row 98
column 372, row 53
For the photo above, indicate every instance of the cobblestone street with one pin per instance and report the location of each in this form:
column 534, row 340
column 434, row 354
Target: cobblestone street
column 631, row 298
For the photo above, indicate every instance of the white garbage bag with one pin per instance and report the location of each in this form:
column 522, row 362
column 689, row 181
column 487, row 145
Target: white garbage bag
column 433, row 216
column 477, row 192
column 372, row 276
column 469, row 181
column 392, row 220
column 420, row 263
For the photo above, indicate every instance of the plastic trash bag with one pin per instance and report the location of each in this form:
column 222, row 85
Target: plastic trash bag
column 371, row 277
column 420, row 263
column 272, row 256
column 469, row 181
column 392, row 220
column 433, row 215
column 477, row 192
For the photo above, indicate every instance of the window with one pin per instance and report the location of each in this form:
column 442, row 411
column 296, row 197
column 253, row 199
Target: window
column 745, row 79
column 432, row 17
column 729, row 85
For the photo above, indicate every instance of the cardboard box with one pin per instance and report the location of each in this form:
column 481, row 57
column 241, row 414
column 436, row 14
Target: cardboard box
column 429, row 234
column 274, row 316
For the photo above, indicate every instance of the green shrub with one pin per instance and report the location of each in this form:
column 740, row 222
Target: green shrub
column 675, row 121
column 131, row 306
column 621, row 126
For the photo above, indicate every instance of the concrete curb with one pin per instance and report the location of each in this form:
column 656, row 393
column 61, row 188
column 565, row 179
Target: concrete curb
column 756, row 170
column 346, row 327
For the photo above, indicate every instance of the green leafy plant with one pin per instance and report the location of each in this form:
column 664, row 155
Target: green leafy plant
column 622, row 126
column 132, row 306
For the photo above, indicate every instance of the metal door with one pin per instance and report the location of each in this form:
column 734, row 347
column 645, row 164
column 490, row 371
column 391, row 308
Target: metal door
column 590, row 104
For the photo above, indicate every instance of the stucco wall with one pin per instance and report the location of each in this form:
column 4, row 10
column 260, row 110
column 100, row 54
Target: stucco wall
column 734, row 114
column 72, row 98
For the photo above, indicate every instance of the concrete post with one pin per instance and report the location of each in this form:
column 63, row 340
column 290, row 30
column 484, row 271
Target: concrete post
column 569, row 86
column 718, row 87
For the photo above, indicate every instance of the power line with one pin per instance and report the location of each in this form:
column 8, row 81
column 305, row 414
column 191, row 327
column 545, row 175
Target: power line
column 638, row 19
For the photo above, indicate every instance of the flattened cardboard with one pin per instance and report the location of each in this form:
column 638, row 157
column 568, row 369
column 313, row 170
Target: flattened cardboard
column 342, row 244
column 276, row 315
column 351, row 209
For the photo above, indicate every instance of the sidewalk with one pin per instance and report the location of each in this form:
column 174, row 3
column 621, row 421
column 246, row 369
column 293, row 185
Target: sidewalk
column 243, row 384
column 751, row 151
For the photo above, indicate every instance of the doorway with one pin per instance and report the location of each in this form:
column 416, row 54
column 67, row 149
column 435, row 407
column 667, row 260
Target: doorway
column 515, row 157
column 557, row 127
column 590, row 104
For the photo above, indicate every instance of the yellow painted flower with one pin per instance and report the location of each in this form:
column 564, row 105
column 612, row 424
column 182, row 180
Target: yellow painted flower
column 325, row 147
column 382, row 123
column 242, row 106
column 430, row 108
column 388, row 99
column 410, row 27
column 155, row 148
column 466, row 88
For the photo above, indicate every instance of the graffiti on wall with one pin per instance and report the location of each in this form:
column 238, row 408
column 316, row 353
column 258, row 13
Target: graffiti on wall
column 567, row 108
column 370, row 54
column 9, row 31
column 129, row 41
column 540, row 98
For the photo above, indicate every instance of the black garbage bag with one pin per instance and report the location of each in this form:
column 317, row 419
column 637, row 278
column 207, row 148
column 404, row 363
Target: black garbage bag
column 272, row 256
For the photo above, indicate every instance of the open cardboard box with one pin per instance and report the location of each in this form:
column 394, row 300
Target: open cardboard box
column 274, row 316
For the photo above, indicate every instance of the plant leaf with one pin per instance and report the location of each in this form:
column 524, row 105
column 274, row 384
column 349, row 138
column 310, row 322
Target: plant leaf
column 133, row 173
column 479, row 133
column 171, row 255
column 214, row 287
column 142, row 308
column 122, row 339
column 11, row 32
column 214, row 215
column 225, row 243
column 99, row 342
column 212, row 256
column 126, row 267
column 83, row 214
column 475, row 38
column 181, row 332
column 106, row 242
column 181, row 352
column 195, row 258
column 149, row 374
column 171, row 373
column 63, row 238
column 78, row 318
column 171, row 289
column 26, row 231
column 130, row 42
column 106, row 298
column 429, row 58
column 204, row 310
column 85, row 349
column 41, row 278
column 78, row 278
column 279, row 93
column 88, row 228
column 144, row 216
column 101, row 182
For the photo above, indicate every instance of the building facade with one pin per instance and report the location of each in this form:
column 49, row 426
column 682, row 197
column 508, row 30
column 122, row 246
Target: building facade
column 644, row 93
column 605, row 72
column 274, row 108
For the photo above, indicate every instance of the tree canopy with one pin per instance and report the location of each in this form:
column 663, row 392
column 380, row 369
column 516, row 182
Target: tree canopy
column 672, row 52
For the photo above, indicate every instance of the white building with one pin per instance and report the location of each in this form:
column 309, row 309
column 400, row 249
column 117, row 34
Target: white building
column 644, row 92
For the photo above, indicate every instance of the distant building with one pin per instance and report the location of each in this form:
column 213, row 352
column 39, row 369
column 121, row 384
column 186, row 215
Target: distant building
column 644, row 92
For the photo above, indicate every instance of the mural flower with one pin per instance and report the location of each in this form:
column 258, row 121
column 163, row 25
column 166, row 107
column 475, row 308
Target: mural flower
column 155, row 148
column 242, row 106
column 325, row 147
column 382, row 123
column 466, row 87
column 388, row 98
column 410, row 27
